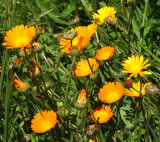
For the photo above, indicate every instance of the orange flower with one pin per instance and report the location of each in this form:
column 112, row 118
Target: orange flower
column 135, row 90
column 105, row 53
column 111, row 92
column 19, row 61
column 35, row 68
column 44, row 122
column 21, row 86
column 82, row 100
column 102, row 114
column 0, row 68
column 19, row 37
column 83, row 37
column 82, row 68
column 135, row 65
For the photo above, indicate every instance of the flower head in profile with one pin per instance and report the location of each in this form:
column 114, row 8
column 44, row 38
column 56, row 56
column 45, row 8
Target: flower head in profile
column 135, row 66
column 105, row 53
column 135, row 90
column 104, row 14
column 19, row 37
column 102, row 114
column 82, row 68
column 44, row 122
column 83, row 37
column 21, row 86
column 0, row 68
column 82, row 100
column 111, row 92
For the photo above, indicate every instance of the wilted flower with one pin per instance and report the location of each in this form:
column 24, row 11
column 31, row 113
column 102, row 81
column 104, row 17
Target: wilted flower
column 92, row 129
column 151, row 89
column 44, row 122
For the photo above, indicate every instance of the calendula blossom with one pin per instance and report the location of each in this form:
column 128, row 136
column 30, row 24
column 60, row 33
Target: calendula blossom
column 104, row 14
column 82, row 68
column 21, row 86
column 135, row 90
column 135, row 66
column 44, row 122
column 82, row 39
column 0, row 68
column 102, row 114
column 111, row 92
column 105, row 53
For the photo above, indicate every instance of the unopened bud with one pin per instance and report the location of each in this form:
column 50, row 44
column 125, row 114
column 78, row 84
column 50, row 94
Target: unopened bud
column 63, row 113
column 93, row 76
column 128, row 83
column 110, row 20
column 70, row 35
column 37, row 46
column 151, row 89
column 38, row 31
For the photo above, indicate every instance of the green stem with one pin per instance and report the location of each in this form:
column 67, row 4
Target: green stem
column 147, row 121
column 68, row 83
column 77, row 125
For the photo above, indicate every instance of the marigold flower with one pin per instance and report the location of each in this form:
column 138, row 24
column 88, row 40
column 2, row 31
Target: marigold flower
column 19, row 37
column 0, row 68
column 82, row 100
column 135, row 65
column 102, row 114
column 105, row 53
column 111, row 92
column 21, row 86
column 103, row 13
column 19, row 61
column 82, row 68
column 135, row 90
column 44, row 122
column 83, row 37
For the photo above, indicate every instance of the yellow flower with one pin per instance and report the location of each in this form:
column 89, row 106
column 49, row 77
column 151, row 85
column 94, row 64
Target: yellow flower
column 105, row 53
column 0, row 68
column 21, row 86
column 83, row 37
column 136, row 91
column 44, row 122
column 82, row 68
column 19, row 37
column 103, row 13
column 135, row 65
column 111, row 92
column 102, row 114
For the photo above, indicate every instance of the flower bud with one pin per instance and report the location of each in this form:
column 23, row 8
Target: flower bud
column 82, row 100
column 92, row 129
column 74, row 51
column 37, row 47
column 63, row 113
column 151, row 89
column 39, row 31
column 110, row 20
column 128, row 83
column 70, row 35
column 130, row 126
column 93, row 76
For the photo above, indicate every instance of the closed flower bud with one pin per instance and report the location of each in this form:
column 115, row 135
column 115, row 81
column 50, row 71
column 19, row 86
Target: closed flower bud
column 37, row 47
column 151, row 89
column 93, row 76
column 130, row 126
column 128, row 83
column 82, row 100
column 39, row 31
column 92, row 129
column 63, row 113
column 110, row 20
column 70, row 35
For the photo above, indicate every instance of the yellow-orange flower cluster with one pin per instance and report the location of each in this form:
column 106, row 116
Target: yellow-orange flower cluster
column 20, row 37
column 83, row 37
column 135, row 65
column 104, row 13
column 82, row 68
column 105, row 53
column 102, row 114
column 135, row 90
column 44, row 122
column 111, row 92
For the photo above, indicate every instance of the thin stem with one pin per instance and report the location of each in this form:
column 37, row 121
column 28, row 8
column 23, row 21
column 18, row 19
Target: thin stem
column 77, row 125
column 88, row 61
column 124, row 12
column 100, row 40
column 68, row 83
column 147, row 121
